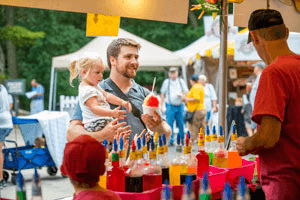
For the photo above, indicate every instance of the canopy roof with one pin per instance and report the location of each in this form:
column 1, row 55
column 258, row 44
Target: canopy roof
column 152, row 57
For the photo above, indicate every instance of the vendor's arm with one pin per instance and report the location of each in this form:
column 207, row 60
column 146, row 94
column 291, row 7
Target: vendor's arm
column 92, row 103
column 112, row 99
column 266, row 137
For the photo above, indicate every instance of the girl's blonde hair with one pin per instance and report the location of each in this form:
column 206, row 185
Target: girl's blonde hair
column 86, row 63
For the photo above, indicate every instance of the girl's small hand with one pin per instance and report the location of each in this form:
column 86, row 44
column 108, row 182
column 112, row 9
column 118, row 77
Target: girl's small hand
column 127, row 105
column 119, row 114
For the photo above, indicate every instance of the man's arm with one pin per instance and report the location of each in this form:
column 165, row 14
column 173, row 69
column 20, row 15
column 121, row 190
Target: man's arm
column 267, row 136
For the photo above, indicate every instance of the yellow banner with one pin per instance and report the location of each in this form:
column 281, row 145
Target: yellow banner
column 102, row 25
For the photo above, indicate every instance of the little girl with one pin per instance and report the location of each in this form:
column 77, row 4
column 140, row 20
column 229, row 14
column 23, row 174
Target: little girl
column 93, row 100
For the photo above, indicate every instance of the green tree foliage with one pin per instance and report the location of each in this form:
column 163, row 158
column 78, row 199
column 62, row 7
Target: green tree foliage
column 20, row 36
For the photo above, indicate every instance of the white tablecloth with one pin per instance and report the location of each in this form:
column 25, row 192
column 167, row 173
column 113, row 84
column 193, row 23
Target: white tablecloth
column 53, row 125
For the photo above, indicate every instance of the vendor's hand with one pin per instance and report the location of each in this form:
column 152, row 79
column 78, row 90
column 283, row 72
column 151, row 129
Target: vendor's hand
column 240, row 146
column 152, row 122
column 127, row 105
column 110, row 130
column 119, row 114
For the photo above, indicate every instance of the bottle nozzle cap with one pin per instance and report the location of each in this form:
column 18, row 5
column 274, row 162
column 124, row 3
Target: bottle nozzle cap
column 207, row 130
column 221, row 131
column 160, row 142
column 164, row 139
column 139, row 146
column 214, row 129
column 133, row 147
column 121, row 144
column 144, row 139
column 115, row 145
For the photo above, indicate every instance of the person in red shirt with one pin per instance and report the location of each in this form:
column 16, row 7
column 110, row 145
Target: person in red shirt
column 83, row 163
column 276, row 108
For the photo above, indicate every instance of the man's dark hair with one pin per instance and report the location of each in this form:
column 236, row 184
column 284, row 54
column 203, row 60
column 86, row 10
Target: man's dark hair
column 114, row 48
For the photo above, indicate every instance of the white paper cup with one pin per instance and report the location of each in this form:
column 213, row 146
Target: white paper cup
column 149, row 110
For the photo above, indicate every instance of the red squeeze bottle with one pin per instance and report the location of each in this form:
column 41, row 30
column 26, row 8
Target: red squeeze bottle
column 115, row 175
column 202, row 156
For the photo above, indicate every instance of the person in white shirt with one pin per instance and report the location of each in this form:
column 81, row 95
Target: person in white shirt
column 172, row 92
column 210, row 97
column 6, row 126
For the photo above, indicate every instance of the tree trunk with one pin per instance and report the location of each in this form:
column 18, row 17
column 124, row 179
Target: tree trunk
column 11, row 48
column 2, row 61
column 193, row 19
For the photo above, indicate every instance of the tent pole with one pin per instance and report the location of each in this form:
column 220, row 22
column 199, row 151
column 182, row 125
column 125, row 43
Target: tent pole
column 183, row 67
column 51, row 88
column 223, row 67
column 54, row 90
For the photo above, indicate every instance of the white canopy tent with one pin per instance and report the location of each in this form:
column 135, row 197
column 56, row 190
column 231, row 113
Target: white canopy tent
column 151, row 57
column 244, row 51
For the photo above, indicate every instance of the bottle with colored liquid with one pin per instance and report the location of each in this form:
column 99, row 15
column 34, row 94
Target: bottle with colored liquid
column 243, row 191
column 191, row 164
column 202, row 156
column 122, row 153
column 166, row 193
column 177, row 164
column 221, row 155
column 188, row 193
column 156, row 137
column 163, row 163
column 115, row 175
column 134, row 174
column 205, row 191
column 132, row 156
column 20, row 189
column 227, row 193
column 152, row 177
column 166, row 158
column 234, row 159
column 145, row 150
column 214, row 139
column 102, row 179
column 208, row 147
column 36, row 188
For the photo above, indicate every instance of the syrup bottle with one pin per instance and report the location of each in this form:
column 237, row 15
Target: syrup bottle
column 134, row 174
column 166, row 193
column 221, row 155
column 132, row 156
column 234, row 159
column 208, row 147
column 205, row 191
column 177, row 164
column 191, row 164
column 122, row 154
column 227, row 193
column 188, row 193
column 152, row 177
column 103, row 179
column 115, row 175
column 243, row 191
column 161, row 161
column 202, row 156
column 36, row 188
column 20, row 189
column 145, row 150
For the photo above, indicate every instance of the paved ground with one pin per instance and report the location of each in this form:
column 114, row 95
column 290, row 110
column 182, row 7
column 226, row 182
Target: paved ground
column 53, row 187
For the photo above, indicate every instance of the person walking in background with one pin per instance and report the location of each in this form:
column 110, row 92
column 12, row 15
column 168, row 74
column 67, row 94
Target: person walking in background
column 210, row 97
column 276, row 108
column 6, row 127
column 258, row 68
column 172, row 92
column 195, row 103
column 37, row 102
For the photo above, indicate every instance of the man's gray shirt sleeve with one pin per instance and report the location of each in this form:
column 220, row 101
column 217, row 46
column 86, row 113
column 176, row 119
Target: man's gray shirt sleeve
column 77, row 113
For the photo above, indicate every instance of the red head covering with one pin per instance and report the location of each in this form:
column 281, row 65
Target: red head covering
column 84, row 159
